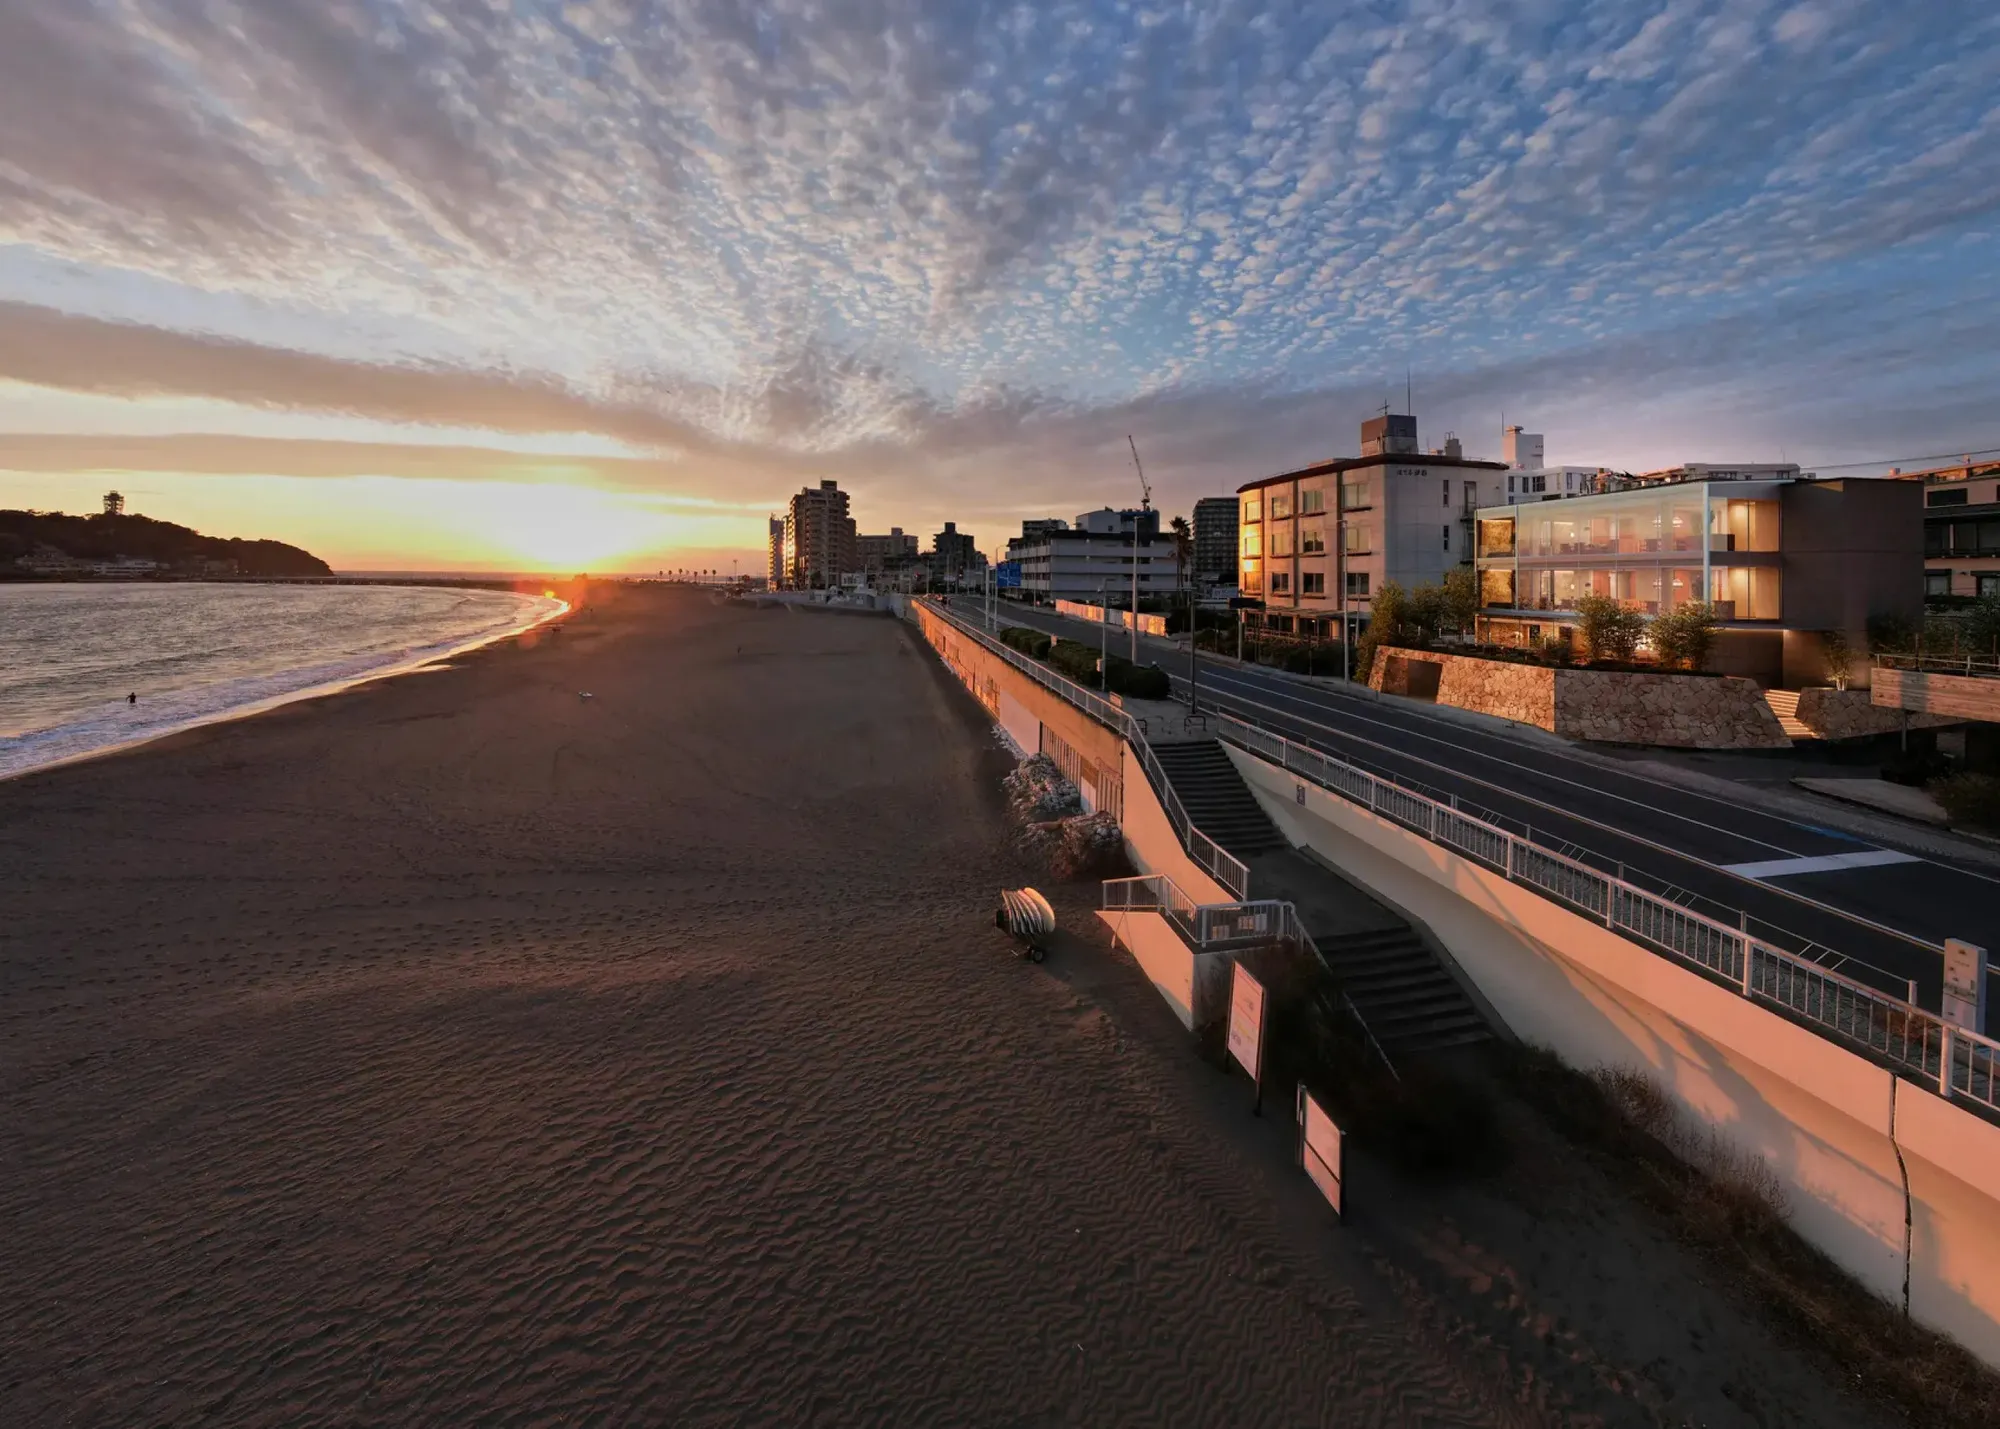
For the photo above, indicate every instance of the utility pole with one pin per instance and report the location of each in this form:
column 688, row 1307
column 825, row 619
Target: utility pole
column 1145, row 505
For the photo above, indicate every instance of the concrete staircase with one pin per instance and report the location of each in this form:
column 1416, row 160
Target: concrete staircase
column 1216, row 797
column 1409, row 1002
column 1785, row 705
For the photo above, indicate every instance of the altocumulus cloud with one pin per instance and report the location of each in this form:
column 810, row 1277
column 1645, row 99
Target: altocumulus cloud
column 940, row 242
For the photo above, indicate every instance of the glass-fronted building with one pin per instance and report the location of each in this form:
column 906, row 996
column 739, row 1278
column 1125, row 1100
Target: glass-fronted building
column 1771, row 557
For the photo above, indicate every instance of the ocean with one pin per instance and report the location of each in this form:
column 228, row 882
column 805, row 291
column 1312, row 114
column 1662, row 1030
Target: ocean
column 70, row 654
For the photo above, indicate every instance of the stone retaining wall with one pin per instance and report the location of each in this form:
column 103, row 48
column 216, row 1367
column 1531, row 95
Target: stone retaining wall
column 1679, row 711
column 1851, row 714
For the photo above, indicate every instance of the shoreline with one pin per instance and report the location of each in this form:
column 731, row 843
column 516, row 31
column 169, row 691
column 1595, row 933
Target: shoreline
column 404, row 664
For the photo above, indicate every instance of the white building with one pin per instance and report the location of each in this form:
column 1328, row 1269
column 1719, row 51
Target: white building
column 1094, row 558
column 1326, row 537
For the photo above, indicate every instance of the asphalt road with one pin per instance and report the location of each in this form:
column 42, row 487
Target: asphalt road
column 1863, row 908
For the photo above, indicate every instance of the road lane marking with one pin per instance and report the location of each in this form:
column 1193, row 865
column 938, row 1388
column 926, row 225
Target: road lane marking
column 1827, row 863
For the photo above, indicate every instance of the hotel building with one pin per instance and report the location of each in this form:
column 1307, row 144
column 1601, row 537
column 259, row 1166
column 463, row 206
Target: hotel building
column 1327, row 536
column 1779, row 560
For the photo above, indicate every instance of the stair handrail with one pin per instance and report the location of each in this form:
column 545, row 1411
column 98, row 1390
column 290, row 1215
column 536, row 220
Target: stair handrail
column 1196, row 922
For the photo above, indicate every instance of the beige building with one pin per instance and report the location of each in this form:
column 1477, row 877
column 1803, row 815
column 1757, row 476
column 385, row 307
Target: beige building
column 1326, row 537
column 819, row 538
column 775, row 567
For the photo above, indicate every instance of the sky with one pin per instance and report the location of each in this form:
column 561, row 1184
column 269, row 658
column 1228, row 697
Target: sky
column 457, row 284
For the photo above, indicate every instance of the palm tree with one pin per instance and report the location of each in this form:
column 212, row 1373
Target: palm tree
column 1183, row 538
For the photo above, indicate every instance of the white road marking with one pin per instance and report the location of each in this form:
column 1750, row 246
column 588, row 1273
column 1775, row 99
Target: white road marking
column 1828, row 863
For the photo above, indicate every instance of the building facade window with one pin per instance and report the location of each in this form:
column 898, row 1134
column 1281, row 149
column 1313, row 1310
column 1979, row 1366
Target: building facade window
column 1281, row 582
column 1251, row 509
column 1447, row 536
column 1354, row 495
column 1988, row 587
column 1312, row 538
column 1357, row 538
column 1357, row 584
column 1312, row 500
column 1312, row 583
column 1278, row 506
column 1252, row 542
column 1281, row 540
column 1945, row 498
column 1937, row 583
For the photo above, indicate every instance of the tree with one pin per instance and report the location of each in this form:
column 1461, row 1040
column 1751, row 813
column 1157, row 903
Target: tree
column 1388, row 621
column 1610, row 628
column 1183, row 539
column 1461, row 598
column 1838, row 651
column 1685, row 635
column 1426, row 614
column 1982, row 628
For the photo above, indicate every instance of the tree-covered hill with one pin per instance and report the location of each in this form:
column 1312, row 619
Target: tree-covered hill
column 175, row 548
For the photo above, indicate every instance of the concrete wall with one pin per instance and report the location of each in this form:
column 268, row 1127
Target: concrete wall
column 1152, row 844
column 1681, row 711
column 1852, row 548
column 1195, row 985
column 1029, row 701
column 1827, row 1122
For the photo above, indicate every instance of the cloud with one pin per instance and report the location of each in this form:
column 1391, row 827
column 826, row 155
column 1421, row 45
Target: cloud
column 927, row 244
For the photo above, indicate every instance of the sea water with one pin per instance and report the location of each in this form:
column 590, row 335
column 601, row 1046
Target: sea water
column 71, row 654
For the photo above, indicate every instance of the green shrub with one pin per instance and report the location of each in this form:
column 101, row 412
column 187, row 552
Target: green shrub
column 1075, row 660
column 1610, row 628
column 1684, row 635
column 1972, row 799
column 1140, row 682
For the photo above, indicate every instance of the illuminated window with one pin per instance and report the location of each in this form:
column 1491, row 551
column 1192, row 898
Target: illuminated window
column 1281, row 505
column 1250, row 512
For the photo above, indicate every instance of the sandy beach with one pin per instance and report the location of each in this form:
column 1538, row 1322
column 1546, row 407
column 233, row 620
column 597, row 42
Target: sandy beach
column 460, row 1050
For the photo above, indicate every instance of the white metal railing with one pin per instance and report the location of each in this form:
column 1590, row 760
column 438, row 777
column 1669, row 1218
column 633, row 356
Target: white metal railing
column 1217, row 927
column 1917, row 1043
column 1211, row 857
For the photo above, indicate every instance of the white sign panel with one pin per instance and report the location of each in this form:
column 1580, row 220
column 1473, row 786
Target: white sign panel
column 1964, row 985
column 1322, row 1151
column 1246, row 1020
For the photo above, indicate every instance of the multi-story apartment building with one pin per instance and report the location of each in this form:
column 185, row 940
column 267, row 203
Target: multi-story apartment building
column 1094, row 558
column 880, row 554
column 1323, row 539
column 819, row 538
column 953, row 553
column 1780, row 560
column 775, row 567
column 1214, row 542
column 1961, row 528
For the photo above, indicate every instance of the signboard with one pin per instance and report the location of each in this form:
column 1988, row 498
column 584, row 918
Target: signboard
column 1319, row 1149
column 1246, row 1021
column 1964, row 985
column 1007, row 575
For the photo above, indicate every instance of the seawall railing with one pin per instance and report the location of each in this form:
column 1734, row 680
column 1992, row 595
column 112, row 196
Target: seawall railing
column 1222, row 927
column 1211, row 857
column 1914, row 1042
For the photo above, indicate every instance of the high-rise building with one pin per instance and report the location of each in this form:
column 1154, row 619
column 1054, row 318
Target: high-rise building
column 1215, row 541
column 819, row 538
column 775, row 569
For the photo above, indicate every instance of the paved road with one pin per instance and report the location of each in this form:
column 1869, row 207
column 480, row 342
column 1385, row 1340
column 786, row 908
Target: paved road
column 1802, row 886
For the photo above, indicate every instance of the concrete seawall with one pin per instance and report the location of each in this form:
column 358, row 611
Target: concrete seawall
column 1828, row 1122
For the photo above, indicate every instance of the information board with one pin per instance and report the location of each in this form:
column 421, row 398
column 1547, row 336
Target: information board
column 1246, row 1020
column 1321, row 1150
column 1964, row 985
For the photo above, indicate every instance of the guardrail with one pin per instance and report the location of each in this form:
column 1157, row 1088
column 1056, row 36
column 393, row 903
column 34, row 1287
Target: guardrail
column 1211, row 857
column 1941, row 664
column 1218, row 927
column 1915, row 1043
